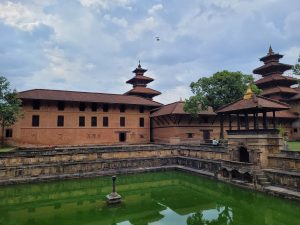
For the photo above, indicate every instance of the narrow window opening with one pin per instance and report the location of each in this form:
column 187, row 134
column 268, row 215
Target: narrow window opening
column 81, row 106
column 8, row 133
column 35, row 120
column 81, row 121
column 61, row 106
column 60, row 121
column 36, row 104
column 105, row 107
column 142, row 122
column 94, row 107
column 122, row 121
column 142, row 109
column 94, row 121
column 122, row 108
column 105, row 121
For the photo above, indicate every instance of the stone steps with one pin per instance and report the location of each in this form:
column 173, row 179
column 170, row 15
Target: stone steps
column 262, row 179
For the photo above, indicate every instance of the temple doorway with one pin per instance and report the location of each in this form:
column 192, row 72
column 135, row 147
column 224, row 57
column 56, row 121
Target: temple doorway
column 244, row 155
column 206, row 135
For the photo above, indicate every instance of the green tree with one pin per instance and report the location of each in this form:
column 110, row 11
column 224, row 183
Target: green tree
column 296, row 68
column 218, row 90
column 10, row 106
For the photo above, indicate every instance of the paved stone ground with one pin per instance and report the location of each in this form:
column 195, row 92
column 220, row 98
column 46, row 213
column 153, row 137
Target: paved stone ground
column 284, row 192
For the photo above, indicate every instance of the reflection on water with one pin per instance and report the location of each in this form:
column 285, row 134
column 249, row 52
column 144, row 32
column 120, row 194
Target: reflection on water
column 149, row 199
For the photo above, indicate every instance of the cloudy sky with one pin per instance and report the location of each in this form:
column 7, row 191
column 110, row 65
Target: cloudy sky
column 93, row 45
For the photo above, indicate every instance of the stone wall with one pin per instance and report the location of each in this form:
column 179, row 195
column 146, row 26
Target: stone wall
column 36, row 165
column 283, row 178
column 286, row 160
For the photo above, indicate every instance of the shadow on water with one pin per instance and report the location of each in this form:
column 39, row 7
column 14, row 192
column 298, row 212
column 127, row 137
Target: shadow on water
column 150, row 198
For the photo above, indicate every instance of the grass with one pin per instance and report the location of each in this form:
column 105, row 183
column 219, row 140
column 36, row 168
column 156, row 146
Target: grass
column 294, row 145
column 7, row 149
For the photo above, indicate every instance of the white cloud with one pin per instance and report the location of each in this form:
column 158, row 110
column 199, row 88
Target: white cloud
column 118, row 21
column 19, row 16
column 174, row 94
column 155, row 8
column 88, row 50
column 136, row 31
column 105, row 4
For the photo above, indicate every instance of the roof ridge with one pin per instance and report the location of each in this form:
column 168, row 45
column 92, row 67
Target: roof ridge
column 85, row 92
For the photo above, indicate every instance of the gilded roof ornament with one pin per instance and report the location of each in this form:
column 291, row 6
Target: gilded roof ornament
column 249, row 93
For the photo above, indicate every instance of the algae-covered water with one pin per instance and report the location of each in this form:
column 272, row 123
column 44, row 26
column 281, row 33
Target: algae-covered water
column 151, row 198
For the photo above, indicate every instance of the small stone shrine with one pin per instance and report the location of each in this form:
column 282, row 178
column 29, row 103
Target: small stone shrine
column 250, row 145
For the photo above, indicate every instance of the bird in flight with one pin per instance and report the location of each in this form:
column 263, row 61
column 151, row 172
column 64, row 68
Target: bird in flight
column 157, row 38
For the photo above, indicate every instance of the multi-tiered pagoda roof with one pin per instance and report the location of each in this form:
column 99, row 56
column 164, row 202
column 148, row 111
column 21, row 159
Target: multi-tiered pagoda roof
column 273, row 83
column 139, row 82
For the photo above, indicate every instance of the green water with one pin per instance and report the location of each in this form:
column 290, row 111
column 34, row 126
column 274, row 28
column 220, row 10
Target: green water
column 151, row 198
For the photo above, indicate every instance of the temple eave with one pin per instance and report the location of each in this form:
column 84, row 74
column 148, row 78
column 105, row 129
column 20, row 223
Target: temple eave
column 271, row 67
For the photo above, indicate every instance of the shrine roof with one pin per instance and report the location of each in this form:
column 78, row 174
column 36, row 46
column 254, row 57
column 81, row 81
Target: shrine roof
column 253, row 103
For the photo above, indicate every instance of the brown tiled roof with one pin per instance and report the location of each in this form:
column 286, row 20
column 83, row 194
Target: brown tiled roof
column 255, row 102
column 276, row 77
column 283, row 114
column 76, row 96
column 279, row 89
column 269, row 56
column 297, row 96
column 177, row 108
column 143, row 90
column 139, row 77
column 264, row 68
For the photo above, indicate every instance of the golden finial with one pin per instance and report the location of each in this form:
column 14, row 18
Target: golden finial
column 270, row 51
column 248, row 94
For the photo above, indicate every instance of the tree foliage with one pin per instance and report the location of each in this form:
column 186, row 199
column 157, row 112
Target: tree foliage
column 296, row 68
column 10, row 109
column 218, row 90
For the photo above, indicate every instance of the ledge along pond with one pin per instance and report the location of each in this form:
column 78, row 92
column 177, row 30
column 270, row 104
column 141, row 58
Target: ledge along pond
column 155, row 198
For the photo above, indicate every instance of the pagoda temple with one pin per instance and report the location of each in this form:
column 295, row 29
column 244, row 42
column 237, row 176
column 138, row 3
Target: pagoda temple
column 273, row 83
column 139, row 82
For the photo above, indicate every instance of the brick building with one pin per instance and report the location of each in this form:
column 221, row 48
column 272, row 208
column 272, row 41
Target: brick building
column 59, row 118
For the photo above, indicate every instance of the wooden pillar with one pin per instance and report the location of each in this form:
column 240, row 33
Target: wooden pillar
column 246, row 121
column 221, row 127
column 265, row 120
column 238, row 121
column 230, row 122
column 274, row 121
column 255, row 121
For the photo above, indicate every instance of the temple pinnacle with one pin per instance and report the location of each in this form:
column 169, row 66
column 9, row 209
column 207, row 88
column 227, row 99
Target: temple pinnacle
column 270, row 51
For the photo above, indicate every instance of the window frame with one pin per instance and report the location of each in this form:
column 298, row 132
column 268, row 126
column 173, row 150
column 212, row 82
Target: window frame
column 35, row 120
column 105, row 121
column 60, row 121
column 94, row 122
column 142, row 122
column 81, row 121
